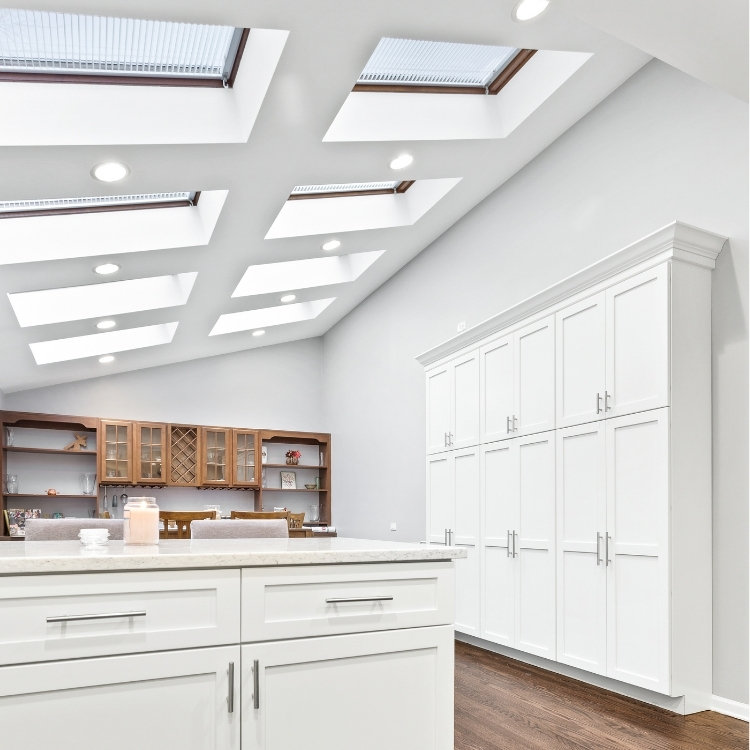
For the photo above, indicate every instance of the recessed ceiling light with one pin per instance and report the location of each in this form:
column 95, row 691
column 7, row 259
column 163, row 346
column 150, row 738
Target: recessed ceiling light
column 289, row 298
column 109, row 171
column 258, row 333
column 106, row 324
column 106, row 268
column 106, row 358
column 525, row 10
column 330, row 245
column 402, row 161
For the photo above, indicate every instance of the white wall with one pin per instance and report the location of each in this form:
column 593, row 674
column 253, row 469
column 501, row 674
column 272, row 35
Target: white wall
column 662, row 147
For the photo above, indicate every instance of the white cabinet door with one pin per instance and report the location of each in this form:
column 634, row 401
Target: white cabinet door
column 638, row 343
column 581, row 567
column 173, row 699
column 496, row 390
column 499, row 493
column 638, row 554
column 440, row 497
column 392, row 689
column 534, row 377
column 438, row 408
column 464, row 430
column 535, row 546
column 466, row 534
column 580, row 358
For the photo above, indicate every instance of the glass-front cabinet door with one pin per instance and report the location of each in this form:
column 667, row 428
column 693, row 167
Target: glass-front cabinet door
column 245, row 465
column 215, row 456
column 115, row 452
column 150, row 453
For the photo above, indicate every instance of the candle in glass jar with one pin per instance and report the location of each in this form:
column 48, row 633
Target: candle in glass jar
column 141, row 516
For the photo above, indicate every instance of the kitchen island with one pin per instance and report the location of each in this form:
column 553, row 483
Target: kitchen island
column 240, row 644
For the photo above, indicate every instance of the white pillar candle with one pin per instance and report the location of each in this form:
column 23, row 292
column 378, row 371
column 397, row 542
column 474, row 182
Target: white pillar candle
column 141, row 516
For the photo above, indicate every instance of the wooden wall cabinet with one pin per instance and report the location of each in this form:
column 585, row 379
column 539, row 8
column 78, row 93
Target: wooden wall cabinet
column 245, row 458
column 183, row 456
column 214, row 457
column 150, row 453
column 115, row 452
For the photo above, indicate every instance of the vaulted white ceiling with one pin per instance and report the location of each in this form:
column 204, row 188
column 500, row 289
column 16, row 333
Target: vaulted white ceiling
column 326, row 49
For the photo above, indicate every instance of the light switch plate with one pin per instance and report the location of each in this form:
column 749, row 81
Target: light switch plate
column 393, row 527
column 461, row 326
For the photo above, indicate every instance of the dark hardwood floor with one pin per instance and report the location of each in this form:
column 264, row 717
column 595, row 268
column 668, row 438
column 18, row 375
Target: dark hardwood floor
column 503, row 704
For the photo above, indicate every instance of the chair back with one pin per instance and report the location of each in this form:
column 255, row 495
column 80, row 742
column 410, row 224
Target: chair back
column 183, row 519
column 240, row 529
column 251, row 515
column 66, row 529
column 296, row 520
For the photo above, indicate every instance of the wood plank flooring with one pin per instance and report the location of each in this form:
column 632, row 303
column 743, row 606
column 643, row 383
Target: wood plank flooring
column 503, row 704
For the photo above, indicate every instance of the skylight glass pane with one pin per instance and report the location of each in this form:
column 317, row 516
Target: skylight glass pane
column 43, row 42
column 344, row 187
column 100, row 200
column 96, row 344
column 410, row 61
column 269, row 316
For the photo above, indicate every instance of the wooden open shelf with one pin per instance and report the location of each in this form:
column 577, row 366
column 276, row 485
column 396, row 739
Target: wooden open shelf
column 50, row 497
column 281, row 489
column 291, row 466
column 57, row 451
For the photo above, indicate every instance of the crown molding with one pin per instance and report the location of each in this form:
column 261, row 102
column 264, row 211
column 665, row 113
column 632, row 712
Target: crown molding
column 676, row 240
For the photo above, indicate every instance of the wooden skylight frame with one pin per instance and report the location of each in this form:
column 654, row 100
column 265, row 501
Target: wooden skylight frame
column 401, row 188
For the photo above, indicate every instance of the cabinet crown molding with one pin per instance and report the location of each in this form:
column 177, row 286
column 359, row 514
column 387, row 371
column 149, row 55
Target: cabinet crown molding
column 676, row 240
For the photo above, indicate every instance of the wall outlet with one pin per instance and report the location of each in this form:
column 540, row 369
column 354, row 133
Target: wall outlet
column 393, row 527
column 461, row 326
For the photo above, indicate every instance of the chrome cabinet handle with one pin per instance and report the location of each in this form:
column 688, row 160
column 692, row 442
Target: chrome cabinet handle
column 515, row 429
column 507, row 425
column 107, row 616
column 450, row 438
column 598, row 540
column 445, row 537
column 607, row 396
column 230, row 688
column 515, row 548
column 450, row 537
column 598, row 403
column 508, row 555
column 256, row 684
column 445, row 440
column 608, row 540
column 340, row 600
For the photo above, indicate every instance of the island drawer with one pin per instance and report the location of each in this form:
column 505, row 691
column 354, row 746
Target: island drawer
column 304, row 601
column 51, row 617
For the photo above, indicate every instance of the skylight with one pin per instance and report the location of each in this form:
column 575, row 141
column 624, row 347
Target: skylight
column 98, row 300
column 17, row 209
column 269, row 316
column 67, row 45
column 343, row 189
column 414, row 62
column 96, row 344
column 304, row 274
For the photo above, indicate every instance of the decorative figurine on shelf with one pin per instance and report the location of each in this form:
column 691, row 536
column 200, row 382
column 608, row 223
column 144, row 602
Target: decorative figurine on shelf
column 78, row 444
column 51, row 492
column 292, row 457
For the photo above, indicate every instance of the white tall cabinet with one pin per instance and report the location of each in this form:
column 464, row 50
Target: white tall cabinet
column 582, row 480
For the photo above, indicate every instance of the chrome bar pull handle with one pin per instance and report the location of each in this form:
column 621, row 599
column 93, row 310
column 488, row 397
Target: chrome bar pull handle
column 508, row 555
column 609, row 540
column 445, row 440
column 507, row 425
column 515, row 544
column 607, row 396
column 230, row 689
column 598, row 555
column 515, row 429
column 256, row 684
column 445, row 537
column 342, row 600
column 107, row 616
column 598, row 403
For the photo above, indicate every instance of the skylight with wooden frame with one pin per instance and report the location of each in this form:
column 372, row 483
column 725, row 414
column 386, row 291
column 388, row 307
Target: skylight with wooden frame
column 349, row 189
column 39, row 46
column 96, row 204
column 415, row 66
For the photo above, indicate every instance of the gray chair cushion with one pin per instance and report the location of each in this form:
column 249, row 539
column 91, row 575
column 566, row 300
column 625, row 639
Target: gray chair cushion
column 62, row 529
column 240, row 529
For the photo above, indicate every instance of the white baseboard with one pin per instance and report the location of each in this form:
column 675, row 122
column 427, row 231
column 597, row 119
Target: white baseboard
column 730, row 708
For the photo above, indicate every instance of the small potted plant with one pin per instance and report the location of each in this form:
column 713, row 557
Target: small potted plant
column 292, row 457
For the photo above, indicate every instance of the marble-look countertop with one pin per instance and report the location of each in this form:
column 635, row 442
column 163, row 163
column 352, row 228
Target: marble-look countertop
column 68, row 557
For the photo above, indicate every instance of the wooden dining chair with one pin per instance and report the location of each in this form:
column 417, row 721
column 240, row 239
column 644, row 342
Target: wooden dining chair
column 296, row 520
column 259, row 515
column 182, row 519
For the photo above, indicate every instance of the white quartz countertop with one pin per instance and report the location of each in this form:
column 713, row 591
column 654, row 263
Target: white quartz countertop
column 64, row 557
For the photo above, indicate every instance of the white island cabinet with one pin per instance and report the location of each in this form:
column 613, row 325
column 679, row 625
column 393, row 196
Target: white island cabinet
column 234, row 644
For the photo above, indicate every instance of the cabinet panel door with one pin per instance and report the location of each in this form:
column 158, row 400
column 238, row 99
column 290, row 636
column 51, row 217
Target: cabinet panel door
column 638, row 343
column 215, row 456
column 173, row 699
column 440, row 498
column 535, row 546
column 638, row 554
column 534, row 381
column 496, row 390
column 115, row 452
column 579, row 361
column 438, row 408
column 402, row 677
column 150, row 453
column 465, row 401
column 499, row 492
column 246, row 458
column 581, row 568
column 466, row 534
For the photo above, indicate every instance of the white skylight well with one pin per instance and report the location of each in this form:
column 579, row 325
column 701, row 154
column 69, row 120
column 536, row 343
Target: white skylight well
column 415, row 62
column 96, row 344
column 99, row 300
column 269, row 316
column 44, row 207
column 304, row 274
column 40, row 43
